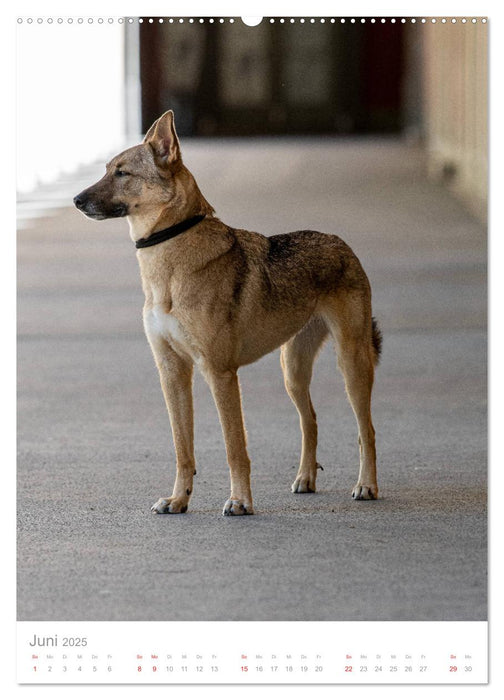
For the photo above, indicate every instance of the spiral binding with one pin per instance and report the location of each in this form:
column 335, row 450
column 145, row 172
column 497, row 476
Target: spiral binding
column 270, row 20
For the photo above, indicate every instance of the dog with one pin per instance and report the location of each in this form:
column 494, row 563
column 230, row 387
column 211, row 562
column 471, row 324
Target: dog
column 220, row 298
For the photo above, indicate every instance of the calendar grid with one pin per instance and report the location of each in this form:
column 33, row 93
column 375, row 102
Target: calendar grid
column 280, row 652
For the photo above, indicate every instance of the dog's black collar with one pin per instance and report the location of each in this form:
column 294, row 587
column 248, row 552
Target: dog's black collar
column 169, row 232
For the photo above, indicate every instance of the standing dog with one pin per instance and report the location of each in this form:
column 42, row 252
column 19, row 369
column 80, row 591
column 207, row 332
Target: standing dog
column 220, row 298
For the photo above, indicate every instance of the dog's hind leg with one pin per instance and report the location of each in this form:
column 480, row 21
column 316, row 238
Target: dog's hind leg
column 297, row 357
column 357, row 345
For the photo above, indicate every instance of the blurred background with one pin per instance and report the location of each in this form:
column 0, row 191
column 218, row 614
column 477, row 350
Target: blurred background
column 322, row 76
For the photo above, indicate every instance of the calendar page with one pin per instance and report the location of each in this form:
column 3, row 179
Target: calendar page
column 251, row 316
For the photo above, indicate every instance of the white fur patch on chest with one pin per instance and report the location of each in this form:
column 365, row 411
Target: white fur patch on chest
column 159, row 323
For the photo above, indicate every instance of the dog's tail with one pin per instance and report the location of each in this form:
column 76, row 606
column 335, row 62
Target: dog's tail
column 377, row 339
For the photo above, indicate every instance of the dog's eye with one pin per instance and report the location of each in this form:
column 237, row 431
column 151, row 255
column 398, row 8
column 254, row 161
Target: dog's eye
column 121, row 173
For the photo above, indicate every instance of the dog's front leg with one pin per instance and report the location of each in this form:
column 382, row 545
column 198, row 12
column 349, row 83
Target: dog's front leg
column 226, row 392
column 176, row 381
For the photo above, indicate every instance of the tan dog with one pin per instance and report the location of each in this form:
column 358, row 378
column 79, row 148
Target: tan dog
column 219, row 298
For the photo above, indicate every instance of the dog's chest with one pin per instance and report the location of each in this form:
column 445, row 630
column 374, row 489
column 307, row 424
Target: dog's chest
column 165, row 325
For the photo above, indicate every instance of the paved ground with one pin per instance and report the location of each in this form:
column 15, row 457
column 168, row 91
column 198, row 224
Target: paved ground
column 94, row 442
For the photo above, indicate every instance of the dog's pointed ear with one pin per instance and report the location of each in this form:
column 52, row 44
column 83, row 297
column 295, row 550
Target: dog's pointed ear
column 163, row 139
column 150, row 133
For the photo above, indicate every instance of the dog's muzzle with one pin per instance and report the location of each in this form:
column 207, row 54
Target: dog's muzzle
column 98, row 210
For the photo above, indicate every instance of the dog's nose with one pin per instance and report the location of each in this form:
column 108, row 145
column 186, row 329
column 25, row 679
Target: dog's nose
column 79, row 200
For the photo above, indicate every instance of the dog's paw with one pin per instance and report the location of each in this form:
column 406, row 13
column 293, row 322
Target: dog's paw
column 306, row 483
column 236, row 507
column 303, row 484
column 365, row 493
column 169, row 505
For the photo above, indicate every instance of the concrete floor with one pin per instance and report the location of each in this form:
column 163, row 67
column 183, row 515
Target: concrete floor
column 95, row 446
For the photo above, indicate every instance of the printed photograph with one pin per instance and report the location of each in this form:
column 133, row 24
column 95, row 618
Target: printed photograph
column 252, row 319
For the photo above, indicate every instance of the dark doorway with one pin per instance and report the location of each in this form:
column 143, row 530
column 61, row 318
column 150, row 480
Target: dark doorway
column 276, row 78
